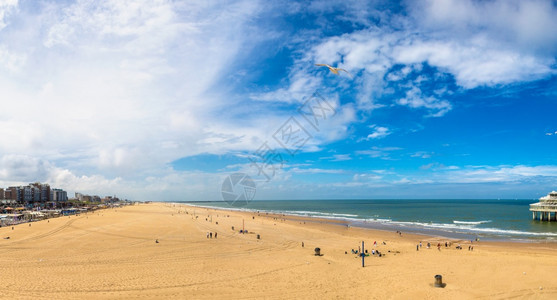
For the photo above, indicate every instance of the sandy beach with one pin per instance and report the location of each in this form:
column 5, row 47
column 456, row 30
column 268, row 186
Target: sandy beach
column 114, row 254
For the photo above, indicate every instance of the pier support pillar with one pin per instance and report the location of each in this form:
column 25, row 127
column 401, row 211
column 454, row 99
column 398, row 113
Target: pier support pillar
column 533, row 215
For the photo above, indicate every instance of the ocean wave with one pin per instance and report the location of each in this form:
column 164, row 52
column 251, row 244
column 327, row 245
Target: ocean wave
column 471, row 222
column 471, row 228
column 317, row 213
column 379, row 220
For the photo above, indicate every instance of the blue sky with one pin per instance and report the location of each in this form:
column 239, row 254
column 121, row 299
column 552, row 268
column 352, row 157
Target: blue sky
column 162, row 100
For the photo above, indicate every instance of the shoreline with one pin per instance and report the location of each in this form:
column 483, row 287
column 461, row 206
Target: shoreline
column 390, row 226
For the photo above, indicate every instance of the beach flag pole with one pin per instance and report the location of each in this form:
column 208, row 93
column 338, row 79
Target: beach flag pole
column 363, row 255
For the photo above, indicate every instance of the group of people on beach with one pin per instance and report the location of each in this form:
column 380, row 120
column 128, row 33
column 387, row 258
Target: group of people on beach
column 359, row 253
column 210, row 235
column 447, row 245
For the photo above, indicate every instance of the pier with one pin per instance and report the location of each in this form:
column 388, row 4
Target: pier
column 546, row 209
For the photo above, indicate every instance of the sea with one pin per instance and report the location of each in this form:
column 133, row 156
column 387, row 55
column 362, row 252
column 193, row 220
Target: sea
column 499, row 220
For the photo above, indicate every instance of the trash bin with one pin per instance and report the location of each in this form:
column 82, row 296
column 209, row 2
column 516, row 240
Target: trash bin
column 439, row 281
column 318, row 251
column 258, row 237
column 232, row 227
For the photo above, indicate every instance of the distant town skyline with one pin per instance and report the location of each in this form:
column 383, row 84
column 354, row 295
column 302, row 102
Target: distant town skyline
column 42, row 195
column 162, row 100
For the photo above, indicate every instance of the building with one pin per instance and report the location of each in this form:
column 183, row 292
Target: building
column 27, row 194
column 546, row 209
column 43, row 191
column 34, row 194
column 59, row 195
column 13, row 193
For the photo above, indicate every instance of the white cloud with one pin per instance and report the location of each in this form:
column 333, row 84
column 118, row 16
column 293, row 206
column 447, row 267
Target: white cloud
column 422, row 154
column 501, row 173
column 7, row 7
column 341, row 157
column 415, row 99
column 364, row 177
column 440, row 173
column 315, row 171
column 11, row 61
column 378, row 152
column 379, row 132
column 530, row 25
column 300, row 85
column 475, row 62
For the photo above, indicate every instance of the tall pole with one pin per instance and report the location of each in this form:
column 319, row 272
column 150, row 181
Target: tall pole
column 363, row 254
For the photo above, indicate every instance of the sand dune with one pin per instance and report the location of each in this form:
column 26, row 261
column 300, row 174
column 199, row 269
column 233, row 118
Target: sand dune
column 113, row 254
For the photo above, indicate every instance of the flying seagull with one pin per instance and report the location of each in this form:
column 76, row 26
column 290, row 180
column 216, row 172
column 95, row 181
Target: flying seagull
column 333, row 69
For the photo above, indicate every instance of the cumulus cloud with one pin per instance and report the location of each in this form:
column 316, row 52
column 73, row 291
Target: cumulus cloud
column 476, row 62
column 530, row 25
column 415, row 99
column 378, row 132
column 23, row 168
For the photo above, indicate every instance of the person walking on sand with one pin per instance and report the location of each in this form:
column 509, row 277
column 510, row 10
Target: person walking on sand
column 215, row 235
column 417, row 247
column 210, row 234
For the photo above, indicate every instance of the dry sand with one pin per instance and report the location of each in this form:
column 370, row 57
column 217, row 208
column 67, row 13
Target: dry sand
column 113, row 254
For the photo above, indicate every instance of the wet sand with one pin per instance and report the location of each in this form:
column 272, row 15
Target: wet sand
column 113, row 254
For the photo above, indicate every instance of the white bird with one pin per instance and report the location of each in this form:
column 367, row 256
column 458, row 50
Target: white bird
column 333, row 69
